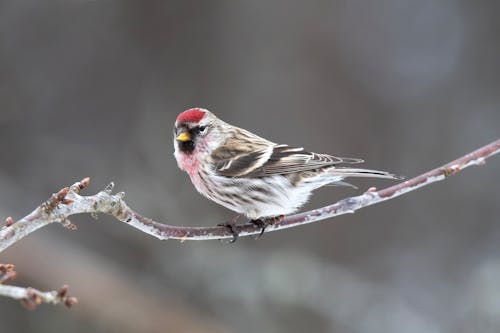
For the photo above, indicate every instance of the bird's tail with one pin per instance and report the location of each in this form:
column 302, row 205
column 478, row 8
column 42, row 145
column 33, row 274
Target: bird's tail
column 355, row 172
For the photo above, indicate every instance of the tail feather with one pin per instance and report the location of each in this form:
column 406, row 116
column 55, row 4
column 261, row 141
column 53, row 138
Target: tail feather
column 341, row 183
column 354, row 172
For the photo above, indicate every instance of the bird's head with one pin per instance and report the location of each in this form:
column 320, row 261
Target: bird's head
column 194, row 130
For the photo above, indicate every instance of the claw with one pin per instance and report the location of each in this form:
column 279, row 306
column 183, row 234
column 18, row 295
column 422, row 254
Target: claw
column 231, row 225
column 263, row 223
column 231, row 228
column 260, row 224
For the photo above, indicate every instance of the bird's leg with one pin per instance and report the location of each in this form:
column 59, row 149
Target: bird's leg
column 231, row 226
column 263, row 223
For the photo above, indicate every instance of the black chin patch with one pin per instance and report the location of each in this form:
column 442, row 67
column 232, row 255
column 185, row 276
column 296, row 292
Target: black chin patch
column 186, row 146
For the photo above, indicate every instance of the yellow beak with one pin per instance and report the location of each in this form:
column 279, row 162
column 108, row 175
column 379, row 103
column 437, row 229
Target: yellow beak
column 184, row 136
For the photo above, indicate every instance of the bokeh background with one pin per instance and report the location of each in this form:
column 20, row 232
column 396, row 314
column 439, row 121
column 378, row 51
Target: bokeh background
column 92, row 88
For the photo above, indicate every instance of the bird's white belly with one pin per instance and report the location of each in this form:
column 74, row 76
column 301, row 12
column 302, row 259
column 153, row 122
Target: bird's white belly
column 275, row 197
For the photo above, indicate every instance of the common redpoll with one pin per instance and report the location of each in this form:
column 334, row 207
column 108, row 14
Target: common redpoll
column 251, row 175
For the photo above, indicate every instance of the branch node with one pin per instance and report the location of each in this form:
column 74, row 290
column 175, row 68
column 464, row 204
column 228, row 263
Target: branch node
column 9, row 221
column 372, row 191
column 448, row 171
column 7, row 272
column 61, row 292
column 78, row 186
column 84, row 183
column 62, row 295
column 62, row 194
column 70, row 301
column 108, row 189
column 66, row 223
column 28, row 304
column 32, row 300
column 122, row 215
column 56, row 198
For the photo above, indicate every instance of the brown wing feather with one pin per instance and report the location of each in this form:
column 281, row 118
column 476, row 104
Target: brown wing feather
column 282, row 159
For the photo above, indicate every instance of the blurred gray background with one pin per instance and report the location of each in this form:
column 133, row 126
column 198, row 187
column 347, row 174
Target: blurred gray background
column 92, row 88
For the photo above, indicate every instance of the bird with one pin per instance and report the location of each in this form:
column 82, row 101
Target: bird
column 250, row 175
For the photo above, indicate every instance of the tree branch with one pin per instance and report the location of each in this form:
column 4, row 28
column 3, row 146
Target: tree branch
column 69, row 202
column 30, row 298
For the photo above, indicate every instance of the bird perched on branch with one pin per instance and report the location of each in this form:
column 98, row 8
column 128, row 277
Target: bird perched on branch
column 253, row 176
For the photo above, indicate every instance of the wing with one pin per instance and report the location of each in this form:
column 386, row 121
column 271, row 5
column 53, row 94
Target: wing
column 273, row 160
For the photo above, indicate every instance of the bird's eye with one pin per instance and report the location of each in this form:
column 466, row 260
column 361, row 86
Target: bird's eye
column 201, row 129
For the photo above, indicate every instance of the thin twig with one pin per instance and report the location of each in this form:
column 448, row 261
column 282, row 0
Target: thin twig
column 69, row 202
column 30, row 298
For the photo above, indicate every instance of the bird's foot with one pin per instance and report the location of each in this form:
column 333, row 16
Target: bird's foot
column 264, row 223
column 231, row 225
